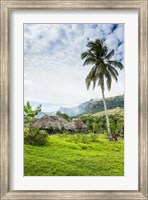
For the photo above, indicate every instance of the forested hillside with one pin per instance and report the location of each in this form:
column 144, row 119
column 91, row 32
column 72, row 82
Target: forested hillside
column 94, row 106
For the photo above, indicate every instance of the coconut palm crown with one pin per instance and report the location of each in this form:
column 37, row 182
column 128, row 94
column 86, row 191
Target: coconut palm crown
column 103, row 71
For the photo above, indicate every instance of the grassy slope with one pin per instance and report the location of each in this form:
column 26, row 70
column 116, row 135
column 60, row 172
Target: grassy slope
column 67, row 158
column 114, row 111
column 110, row 112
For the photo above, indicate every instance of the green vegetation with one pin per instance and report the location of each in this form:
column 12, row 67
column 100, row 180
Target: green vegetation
column 36, row 137
column 78, row 154
column 97, row 122
column 29, row 116
column 75, row 155
column 114, row 111
column 97, row 106
column 62, row 153
column 65, row 116
column 33, row 135
column 103, row 71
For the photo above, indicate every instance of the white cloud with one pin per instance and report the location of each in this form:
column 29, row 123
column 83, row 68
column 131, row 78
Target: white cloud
column 111, row 42
column 53, row 67
column 119, row 33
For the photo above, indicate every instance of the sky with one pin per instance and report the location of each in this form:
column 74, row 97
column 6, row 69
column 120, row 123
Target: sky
column 53, row 69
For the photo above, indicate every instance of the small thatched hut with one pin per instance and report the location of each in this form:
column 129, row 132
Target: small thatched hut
column 58, row 124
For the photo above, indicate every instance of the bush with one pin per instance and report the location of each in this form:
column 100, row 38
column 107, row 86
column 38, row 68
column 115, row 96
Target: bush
column 98, row 124
column 36, row 137
column 29, row 115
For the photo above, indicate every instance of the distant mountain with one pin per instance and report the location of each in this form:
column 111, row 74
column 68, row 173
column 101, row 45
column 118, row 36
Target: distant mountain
column 89, row 107
column 42, row 114
column 94, row 106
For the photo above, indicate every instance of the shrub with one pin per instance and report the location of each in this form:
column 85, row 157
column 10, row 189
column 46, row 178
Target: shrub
column 36, row 137
column 29, row 115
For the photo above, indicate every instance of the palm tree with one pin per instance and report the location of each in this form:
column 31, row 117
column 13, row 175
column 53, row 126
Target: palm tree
column 103, row 70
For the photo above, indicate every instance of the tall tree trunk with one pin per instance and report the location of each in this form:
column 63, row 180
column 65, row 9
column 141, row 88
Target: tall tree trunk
column 107, row 119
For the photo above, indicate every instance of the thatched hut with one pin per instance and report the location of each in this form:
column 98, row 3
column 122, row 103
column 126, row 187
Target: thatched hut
column 58, row 124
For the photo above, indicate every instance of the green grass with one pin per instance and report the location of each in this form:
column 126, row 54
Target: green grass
column 66, row 155
column 114, row 111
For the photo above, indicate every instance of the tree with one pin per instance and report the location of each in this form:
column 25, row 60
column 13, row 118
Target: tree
column 33, row 135
column 29, row 115
column 95, row 126
column 103, row 70
column 64, row 115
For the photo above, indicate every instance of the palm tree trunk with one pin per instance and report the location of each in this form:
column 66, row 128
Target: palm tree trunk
column 107, row 119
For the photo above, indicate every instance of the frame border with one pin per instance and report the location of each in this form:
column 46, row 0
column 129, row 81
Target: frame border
column 6, row 7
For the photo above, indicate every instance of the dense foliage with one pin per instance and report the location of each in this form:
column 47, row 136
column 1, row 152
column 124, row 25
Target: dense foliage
column 33, row 135
column 95, row 123
column 37, row 137
column 98, row 124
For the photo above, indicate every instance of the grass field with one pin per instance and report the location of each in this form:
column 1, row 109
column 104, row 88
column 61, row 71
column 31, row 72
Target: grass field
column 75, row 155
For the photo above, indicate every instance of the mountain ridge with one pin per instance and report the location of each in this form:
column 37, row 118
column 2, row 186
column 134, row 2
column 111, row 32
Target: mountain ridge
column 94, row 106
column 88, row 107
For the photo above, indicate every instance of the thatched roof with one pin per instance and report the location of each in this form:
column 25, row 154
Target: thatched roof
column 47, row 122
column 76, row 125
column 58, row 123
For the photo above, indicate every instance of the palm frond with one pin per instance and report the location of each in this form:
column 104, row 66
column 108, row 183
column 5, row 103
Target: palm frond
column 110, row 54
column 88, row 81
column 104, row 52
column 91, row 54
column 104, row 69
column 84, row 54
column 94, row 81
column 96, row 47
column 87, row 54
column 91, row 45
column 101, row 81
column 99, row 42
column 89, row 60
column 91, row 77
column 101, row 67
column 116, row 64
column 108, row 79
column 114, row 73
